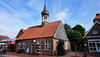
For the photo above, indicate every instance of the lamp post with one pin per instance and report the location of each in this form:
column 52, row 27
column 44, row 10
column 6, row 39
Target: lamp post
column 85, row 55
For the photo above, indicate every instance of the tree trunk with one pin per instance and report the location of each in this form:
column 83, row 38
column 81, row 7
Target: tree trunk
column 75, row 50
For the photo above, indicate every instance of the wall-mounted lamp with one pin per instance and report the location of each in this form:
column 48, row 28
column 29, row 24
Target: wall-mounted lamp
column 34, row 41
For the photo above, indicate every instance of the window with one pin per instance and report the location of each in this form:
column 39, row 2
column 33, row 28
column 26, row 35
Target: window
column 92, row 46
column 20, row 45
column 94, row 32
column 45, row 18
column 24, row 45
column 47, row 45
column 41, row 44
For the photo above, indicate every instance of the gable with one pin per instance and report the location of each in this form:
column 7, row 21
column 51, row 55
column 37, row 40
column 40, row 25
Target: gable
column 95, row 27
column 20, row 33
column 40, row 32
column 60, row 33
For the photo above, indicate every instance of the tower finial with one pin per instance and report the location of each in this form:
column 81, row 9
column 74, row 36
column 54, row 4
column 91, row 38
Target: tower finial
column 45, row 5
column 45, row 2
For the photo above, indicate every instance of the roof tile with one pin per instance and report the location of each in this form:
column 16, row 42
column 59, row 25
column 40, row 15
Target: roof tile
column 97, row 17
column 39, row 31
column 4, row 37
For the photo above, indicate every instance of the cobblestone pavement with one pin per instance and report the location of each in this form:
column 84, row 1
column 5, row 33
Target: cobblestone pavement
column 70, row 54
column 8, row 56
column 81, row 54
column 25, row 55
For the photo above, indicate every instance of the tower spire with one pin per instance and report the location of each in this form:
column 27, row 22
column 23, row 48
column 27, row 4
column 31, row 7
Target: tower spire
column 45, row 12
column 45, row 15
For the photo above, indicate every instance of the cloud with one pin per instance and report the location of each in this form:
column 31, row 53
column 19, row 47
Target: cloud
column 84, row 13
column 12, row 20
column 63, row 15
column 36, row 5
column 10, row 25
column 87, row 26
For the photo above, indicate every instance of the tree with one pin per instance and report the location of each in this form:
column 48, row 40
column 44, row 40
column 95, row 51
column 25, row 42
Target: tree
column 67, row 28
column 74, row 37
column 60, row 48
column 79, row 28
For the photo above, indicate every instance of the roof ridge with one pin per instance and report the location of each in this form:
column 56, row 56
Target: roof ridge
column 35, row 26
column 91, row 28
column 41, row 26
column 56, row 21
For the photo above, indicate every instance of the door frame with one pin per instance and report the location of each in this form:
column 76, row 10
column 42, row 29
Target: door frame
column 32, row 48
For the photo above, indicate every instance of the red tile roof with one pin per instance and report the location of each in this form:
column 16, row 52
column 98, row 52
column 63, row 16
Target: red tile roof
column 40, row 32
column 6, row 37
column 97, row 17
column 20, row 32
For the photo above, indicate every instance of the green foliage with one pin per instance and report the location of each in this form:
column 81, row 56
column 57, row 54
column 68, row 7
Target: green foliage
column 60, row 48
column 74, row 37
column 79, row 28
column 80, row 46
column 69, row 50
column 61, row 45
column 67, row 28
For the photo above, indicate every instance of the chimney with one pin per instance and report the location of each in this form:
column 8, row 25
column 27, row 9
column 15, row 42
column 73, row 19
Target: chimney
column 98, row 14
column 97, row 18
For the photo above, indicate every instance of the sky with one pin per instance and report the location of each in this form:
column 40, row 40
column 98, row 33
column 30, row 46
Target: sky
column 21, row 14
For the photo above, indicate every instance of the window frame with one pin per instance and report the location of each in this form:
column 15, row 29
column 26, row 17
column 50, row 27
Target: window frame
column 94, row 32
column 92, row 47
column 20, row 45
column 24, row 45
column 47, row 45
column 40, row 43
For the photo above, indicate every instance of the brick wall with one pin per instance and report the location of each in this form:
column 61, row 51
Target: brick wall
column 55, row 45
column 41, row 39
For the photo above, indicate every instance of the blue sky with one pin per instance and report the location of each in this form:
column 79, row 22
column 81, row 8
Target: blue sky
column 21, row 14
